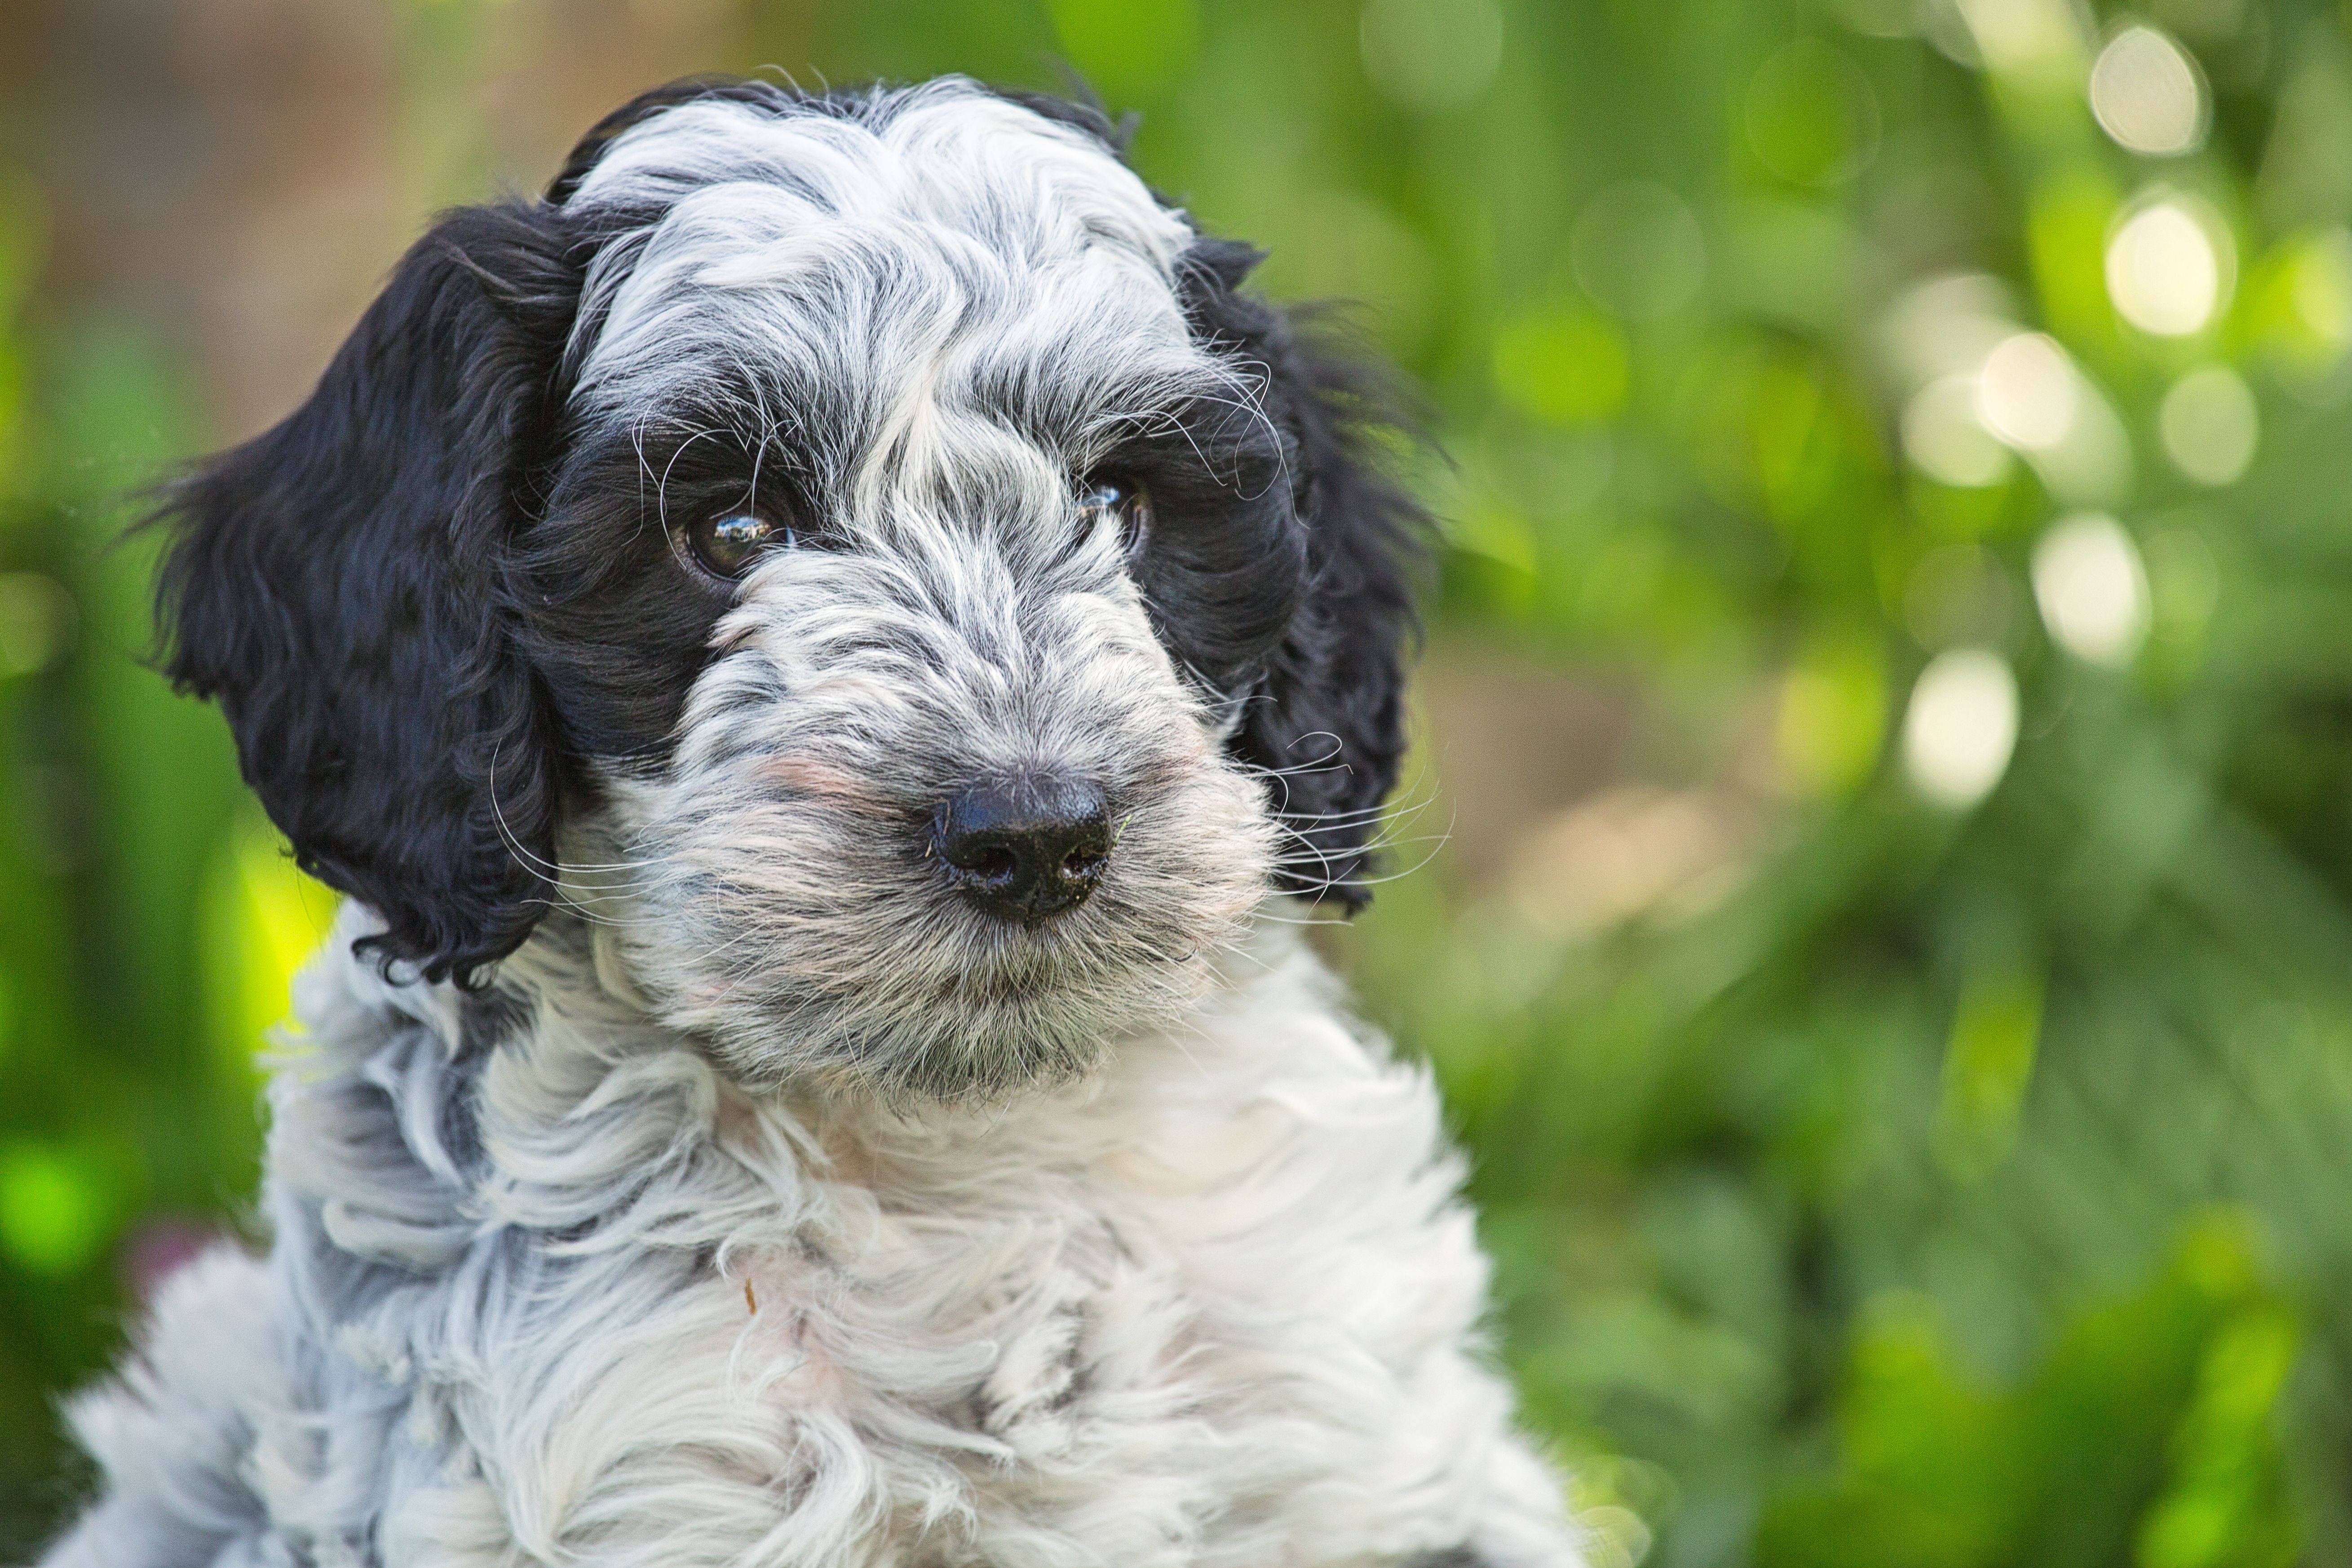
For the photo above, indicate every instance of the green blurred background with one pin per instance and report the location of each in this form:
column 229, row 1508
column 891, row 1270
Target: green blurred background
column 1881, row 840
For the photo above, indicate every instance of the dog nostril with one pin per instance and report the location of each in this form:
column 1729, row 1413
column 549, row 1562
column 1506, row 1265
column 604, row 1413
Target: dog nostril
column 1026, row 845
column 992, row 863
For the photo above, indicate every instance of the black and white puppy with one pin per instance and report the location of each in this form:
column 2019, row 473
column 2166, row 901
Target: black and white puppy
column 816, row 650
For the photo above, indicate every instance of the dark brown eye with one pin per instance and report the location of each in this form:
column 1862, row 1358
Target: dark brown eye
column 726, row 544
column 1129, row 502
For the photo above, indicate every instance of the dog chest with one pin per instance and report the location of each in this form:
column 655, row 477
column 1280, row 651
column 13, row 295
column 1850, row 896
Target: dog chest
column 1220, row 1293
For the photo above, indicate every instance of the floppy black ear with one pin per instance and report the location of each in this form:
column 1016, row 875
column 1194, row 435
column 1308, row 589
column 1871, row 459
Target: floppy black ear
column 1328, row 721
column 335, row 585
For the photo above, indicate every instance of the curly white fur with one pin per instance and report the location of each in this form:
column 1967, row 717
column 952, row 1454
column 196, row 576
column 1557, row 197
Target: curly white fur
column 1215, row 1304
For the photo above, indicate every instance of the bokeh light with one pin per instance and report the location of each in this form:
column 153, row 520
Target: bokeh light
column 1945, row 327
column 2033, row 41
column 2092, row 588
column 1945, row 437
column 1961, row 726
column 2210, row 425
column 1811, row 115
column 2027, row 393
column 2315, row 274
column 2168, row 269
column 2147, row 93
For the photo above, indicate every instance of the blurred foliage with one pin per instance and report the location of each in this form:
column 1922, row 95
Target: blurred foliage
column 1911, row 1128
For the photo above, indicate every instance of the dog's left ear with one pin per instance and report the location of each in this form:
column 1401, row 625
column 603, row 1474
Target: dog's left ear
column 1327, row 720
column 337, row 584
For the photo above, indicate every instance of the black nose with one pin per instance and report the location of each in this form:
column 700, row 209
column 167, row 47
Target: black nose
column 1027, row 847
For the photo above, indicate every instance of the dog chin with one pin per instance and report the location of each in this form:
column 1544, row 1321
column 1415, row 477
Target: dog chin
column 992, row 1033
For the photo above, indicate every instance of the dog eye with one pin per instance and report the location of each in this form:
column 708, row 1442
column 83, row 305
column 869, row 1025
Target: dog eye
column 726, row 544
column 1129, row 502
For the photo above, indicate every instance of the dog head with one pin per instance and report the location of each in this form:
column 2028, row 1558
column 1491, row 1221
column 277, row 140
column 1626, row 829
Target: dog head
column 861, row 550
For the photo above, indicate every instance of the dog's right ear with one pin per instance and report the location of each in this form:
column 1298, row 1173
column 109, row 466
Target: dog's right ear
column 335, row 583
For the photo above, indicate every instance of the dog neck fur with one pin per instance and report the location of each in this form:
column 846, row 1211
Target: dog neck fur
column 550, row 1287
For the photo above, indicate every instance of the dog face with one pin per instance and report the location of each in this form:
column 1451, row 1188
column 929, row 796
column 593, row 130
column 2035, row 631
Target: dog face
column 868, row 539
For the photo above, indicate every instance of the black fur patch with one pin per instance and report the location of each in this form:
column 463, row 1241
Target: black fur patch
column 1329, row 720
column 336, row 584
column 1224, row 567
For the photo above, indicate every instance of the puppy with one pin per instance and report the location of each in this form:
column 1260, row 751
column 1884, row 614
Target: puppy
column 829, row 655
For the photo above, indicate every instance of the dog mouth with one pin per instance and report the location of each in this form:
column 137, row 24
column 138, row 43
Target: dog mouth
column 1044, row 970
column 968, row 1007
